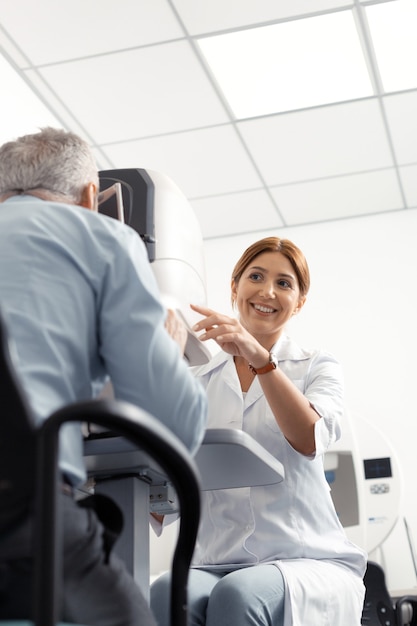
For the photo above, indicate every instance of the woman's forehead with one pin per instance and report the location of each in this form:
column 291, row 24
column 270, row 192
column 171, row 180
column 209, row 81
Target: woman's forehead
column 271, row 261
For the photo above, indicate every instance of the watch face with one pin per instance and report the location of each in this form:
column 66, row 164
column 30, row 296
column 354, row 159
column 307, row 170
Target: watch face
column 271, row 365
column 273, row 359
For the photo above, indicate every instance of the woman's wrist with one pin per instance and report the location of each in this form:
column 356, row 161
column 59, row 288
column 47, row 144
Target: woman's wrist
column 259, row 362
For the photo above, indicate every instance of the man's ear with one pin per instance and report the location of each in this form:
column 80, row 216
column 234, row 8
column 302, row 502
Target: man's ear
column 89, row 197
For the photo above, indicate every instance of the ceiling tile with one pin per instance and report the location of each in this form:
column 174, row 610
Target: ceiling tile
column 11, row 50
column 336, row 198
column 401, row 113
column 71, row 29
column 204, row 162
column 14, row 103
column 408, row 175
column 200, row 16
column 321, row 142
column 57, row 107
column 231, row 214
column 126, row 77
column 393, row 31
column 137, row 93
column 265, row 70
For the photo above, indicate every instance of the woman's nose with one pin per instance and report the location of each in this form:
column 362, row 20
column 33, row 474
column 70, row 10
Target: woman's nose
column 268, row 290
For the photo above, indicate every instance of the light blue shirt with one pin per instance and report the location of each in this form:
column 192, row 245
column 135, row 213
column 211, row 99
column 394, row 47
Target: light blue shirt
column 82, row 305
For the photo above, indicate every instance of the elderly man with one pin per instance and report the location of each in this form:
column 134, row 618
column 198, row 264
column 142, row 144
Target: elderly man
column 82, row 307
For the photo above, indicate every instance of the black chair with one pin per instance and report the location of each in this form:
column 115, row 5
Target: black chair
column 30, row 480
column 378, row 608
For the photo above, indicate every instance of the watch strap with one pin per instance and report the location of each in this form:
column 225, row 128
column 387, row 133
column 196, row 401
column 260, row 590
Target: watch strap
column 271, row 365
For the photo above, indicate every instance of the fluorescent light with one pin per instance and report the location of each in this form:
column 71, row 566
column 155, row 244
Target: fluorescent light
column 393, row 29
column 291, row 65
column 21, row 110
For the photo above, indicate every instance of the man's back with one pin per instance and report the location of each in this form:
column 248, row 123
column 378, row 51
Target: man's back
column 81, row 304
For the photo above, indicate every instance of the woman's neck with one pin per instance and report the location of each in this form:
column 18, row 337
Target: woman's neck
column 244, row 374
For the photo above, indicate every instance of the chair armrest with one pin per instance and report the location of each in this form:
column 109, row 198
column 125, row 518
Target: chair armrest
column 406, row 611
column 147, row 433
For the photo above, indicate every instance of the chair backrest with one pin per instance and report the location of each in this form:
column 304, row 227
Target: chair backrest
column 17, row 441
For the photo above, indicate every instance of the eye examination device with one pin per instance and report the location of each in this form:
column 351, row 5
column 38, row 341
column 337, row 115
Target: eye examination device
column 152, row 204
column 366, row 486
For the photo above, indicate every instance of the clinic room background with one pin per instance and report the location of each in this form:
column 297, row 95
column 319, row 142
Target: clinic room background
column 294, row 118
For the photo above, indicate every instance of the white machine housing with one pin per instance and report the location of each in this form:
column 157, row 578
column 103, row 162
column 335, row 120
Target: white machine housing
column 158, row 210
column 365, row 481
column 179, row 265
column 367, row 490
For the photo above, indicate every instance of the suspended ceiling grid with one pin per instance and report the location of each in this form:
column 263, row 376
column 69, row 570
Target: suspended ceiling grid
column 139, row 79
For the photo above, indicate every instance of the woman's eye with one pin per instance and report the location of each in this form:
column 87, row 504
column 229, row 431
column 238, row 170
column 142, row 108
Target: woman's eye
column 255, row 276
column 284, row 283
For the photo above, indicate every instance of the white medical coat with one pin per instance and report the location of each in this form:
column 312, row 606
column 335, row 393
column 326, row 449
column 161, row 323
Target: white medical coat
column 292, row 524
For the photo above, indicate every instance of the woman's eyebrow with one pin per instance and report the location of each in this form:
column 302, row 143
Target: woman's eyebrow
column 286, row 276
column 279, row 274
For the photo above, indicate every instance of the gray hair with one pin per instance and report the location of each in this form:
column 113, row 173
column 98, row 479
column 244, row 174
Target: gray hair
column 54, row 161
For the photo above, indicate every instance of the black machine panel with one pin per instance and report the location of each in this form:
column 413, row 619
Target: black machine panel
column 138, row 193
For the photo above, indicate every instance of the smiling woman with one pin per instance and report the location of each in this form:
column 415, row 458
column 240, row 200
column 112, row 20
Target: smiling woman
column 260, row 550
column 268, row 289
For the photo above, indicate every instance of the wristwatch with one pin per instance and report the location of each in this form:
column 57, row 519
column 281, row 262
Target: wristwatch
column 271, row 365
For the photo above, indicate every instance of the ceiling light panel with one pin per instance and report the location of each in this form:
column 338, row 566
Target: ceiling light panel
column 291, row 65
column 393, row 29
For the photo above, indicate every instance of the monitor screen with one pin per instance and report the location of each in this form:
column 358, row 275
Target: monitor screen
column 377, row 468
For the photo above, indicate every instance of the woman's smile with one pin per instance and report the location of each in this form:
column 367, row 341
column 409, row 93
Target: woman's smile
column 262, row 308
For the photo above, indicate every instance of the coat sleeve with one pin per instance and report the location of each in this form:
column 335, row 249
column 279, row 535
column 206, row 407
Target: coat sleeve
column 324, row 389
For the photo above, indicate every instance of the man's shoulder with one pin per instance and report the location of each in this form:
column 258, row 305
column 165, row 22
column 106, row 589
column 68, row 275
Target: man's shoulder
column 95, row 225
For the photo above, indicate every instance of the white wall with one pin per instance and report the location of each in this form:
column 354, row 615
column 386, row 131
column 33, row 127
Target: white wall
column 362, row 308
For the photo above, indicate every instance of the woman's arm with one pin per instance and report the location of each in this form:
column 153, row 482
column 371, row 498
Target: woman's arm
column 293, row 412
